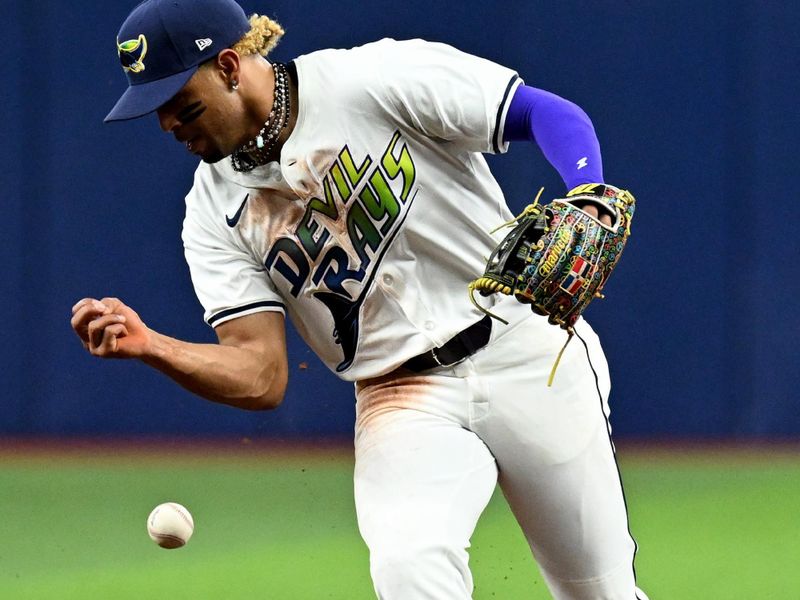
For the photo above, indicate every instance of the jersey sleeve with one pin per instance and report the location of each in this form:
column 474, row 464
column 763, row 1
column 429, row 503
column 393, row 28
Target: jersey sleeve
column 448, row 94
column 228, row 281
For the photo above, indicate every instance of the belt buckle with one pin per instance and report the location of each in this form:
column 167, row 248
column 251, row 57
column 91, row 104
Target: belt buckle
column 436, row 358
column 443, row 364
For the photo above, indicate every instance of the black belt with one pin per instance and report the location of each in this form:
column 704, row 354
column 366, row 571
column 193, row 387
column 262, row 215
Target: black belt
column 464, row 344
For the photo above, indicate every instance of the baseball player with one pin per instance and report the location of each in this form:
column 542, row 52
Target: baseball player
column 347, row 190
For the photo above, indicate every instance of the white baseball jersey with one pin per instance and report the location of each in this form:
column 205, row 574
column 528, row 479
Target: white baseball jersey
column 378, row 215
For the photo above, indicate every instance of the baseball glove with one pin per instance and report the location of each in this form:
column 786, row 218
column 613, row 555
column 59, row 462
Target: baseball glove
column 557, row 257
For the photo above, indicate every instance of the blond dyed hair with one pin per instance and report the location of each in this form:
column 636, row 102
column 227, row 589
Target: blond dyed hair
column 263, row 36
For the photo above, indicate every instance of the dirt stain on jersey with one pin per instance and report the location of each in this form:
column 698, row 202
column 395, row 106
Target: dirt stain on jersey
column 275, row 211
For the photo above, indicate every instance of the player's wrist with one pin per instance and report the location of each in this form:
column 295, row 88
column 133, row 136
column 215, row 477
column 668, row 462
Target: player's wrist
column 605, row 191
column 156, row 347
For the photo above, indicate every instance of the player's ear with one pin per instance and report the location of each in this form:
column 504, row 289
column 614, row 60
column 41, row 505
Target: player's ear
column 227, row 64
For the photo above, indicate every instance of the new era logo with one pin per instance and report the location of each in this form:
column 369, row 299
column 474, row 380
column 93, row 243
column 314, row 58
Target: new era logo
column 203, row 44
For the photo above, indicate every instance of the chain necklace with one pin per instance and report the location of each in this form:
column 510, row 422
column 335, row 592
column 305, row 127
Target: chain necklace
column 257, row 151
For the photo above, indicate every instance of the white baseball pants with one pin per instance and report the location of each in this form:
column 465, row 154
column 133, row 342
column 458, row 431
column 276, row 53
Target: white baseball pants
column 430, row 448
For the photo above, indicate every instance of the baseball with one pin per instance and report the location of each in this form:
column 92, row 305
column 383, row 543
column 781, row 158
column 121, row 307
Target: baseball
column 170, row 525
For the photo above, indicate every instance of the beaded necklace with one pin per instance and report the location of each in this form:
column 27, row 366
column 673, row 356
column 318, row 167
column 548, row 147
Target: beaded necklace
column 257, row 151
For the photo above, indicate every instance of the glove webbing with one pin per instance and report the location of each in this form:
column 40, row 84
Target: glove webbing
column 490, row 285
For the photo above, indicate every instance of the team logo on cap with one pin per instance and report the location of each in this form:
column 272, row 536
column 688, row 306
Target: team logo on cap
column 132, row 53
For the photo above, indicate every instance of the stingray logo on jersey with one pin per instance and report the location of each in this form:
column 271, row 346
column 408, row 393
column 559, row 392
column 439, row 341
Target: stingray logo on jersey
column 343, row 236
column 132, row 53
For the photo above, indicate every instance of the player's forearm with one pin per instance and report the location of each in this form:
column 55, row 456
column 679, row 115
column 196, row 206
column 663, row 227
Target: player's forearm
column 561, row 129
column 230, row 375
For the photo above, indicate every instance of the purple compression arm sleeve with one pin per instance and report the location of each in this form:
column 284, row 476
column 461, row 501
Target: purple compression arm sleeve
column 561, row 129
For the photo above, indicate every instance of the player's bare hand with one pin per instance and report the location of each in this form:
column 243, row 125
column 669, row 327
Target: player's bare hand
column 592, row 210
column 109, row 328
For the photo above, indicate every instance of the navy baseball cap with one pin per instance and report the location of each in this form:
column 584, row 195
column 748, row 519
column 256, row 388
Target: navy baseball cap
column 162, row 43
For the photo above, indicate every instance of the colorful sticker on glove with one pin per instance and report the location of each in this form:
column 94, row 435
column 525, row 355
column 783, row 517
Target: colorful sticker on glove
column 574, row 280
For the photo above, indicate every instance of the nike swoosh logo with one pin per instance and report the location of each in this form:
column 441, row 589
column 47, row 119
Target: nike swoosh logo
column 232, row 221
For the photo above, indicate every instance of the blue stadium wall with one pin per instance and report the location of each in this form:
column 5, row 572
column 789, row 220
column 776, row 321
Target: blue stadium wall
column 695, row 106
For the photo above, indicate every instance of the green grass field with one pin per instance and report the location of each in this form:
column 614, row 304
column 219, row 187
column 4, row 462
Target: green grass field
column 711, row 525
